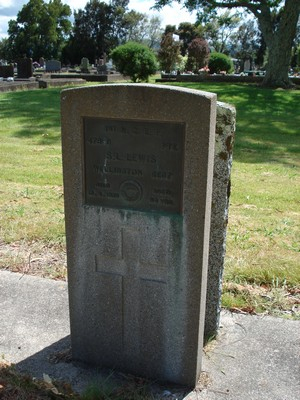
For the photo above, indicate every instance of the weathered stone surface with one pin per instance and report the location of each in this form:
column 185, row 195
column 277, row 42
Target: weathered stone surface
column 225, row 130
column 137, row 279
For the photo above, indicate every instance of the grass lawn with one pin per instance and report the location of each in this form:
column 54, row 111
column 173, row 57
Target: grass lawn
column 262, row 272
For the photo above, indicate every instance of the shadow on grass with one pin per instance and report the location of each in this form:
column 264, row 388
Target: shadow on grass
column 268, row 121
column 34, row 114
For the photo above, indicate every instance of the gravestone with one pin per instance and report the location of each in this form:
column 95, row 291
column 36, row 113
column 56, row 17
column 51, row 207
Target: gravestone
column 247, row 65
column 84, row 66
column 24, row 68
column 101, row 65
column 53, row 66
column 138, row 163
column 102, row 69
column 6, row 71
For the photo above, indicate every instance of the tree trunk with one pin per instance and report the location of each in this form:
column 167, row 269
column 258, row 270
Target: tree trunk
column 277, row 71
column 279, row 40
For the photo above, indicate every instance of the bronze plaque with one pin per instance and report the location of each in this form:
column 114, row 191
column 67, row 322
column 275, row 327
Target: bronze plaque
column 133, row 164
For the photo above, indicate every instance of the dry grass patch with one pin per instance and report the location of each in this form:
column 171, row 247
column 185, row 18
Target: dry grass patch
column 268, row 300
column 16, row 386
column 34, row 258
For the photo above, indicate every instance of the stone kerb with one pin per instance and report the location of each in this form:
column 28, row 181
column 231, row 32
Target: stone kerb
column 138, row 166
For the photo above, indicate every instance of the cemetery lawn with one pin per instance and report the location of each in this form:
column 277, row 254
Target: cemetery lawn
column 262, row 266
column 262, row 271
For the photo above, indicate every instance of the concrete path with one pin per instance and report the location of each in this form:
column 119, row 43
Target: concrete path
column 254, row 358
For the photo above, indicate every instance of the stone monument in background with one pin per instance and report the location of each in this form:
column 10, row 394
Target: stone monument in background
column 85, row 65
column 53, row 66
column 138, row 170
column 6, row 71
column 24, row 68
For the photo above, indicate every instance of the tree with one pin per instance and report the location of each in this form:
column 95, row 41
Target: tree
column 295, row 63
column 134, row 60
column 218, row 28
column 135, row 22
column 198, row 54
column 143, row 29
column 277, row 20
column 187, row 32
column 40, row 29
column 169, row 53
column 5, row 53
column 98, row 28
column 153, row 32
column 246, row 44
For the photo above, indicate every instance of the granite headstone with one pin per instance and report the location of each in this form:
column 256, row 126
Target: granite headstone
column 138, row 166
column 24, row 68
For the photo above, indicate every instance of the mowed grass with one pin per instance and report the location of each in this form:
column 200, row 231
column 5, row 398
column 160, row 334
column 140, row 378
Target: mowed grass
column 263, row 230
column 263, row 239
column 31, row 172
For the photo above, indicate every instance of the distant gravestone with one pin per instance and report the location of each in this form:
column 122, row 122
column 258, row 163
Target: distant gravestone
column 6, row 71
column 24, row 68
column 42, row 62
column 138, row 164
column 247, row 65
column 84, row 66
column 102, row 69
column 53, row 66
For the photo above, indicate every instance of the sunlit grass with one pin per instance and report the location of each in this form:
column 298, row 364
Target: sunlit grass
column 263, row 231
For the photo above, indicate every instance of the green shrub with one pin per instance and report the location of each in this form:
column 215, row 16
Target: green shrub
column 219, row 62
column 134, row 60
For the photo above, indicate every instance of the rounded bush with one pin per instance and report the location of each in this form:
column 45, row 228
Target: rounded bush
column 134, row 60
column 219, row 62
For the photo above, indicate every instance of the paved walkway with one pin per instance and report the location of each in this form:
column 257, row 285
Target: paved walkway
column 254, row 358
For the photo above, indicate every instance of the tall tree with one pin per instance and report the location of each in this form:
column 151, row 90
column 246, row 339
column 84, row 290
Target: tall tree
column 5, row 54
column 246, row 43
column 134, row 22
column 296, row 48
column 187, row 32
column 141, row 28
column 40, row 29
column 98, row 28
column 218, row 28
column 154, row 32
column 277, row 20
column 169, row 53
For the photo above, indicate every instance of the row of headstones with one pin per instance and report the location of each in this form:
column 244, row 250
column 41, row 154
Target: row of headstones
column 25, row 67
column 100, row 64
